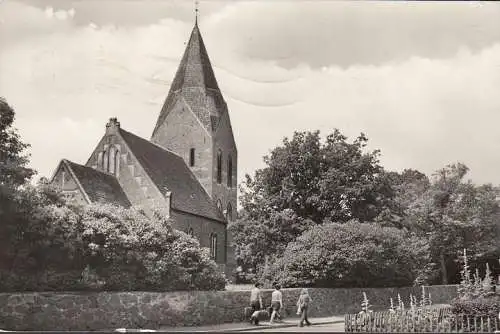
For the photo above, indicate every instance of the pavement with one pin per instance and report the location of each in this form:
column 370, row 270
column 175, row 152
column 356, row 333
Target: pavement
column 327, row 324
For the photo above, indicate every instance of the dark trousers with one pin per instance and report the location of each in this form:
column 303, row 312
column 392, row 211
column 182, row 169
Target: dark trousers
column 255, row 305
column 303, row 316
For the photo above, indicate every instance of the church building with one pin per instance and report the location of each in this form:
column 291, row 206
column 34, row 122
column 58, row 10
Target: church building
column 188, row 168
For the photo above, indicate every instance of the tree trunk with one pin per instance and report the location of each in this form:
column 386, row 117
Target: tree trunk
column 444, row 272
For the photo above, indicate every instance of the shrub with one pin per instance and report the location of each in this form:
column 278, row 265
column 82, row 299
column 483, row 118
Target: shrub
column 39, row 245
column 482, row 306
column 351, row 254
column 48, row 245
column 131, row 251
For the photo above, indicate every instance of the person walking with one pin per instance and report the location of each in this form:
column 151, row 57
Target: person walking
column 276, row 303
column 303, row 306
column 255, row 303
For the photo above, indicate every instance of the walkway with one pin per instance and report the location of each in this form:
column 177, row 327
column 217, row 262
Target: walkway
column 246, row 327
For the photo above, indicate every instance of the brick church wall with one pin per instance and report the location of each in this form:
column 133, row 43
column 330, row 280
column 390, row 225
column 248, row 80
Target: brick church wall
column 132, row 178
column 225, row 143
column 202, row 229
column 182, row 131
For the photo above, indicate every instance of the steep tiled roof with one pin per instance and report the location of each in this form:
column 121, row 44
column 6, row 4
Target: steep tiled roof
column 195, row 81
column 169, row 172
column 99, row 186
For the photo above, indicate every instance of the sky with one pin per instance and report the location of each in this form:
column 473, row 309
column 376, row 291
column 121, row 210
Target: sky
column 420, row 79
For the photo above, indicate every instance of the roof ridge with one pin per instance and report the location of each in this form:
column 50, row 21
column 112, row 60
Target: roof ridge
column 163, row 181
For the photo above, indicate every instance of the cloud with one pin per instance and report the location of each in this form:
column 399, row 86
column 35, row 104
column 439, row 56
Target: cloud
column 130, row 12
column 18, row 28
column 59, row 14
column 422, row 112
column 350, row 33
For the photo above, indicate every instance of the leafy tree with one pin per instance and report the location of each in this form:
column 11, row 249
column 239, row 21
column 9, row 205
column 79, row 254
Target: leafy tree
column 13, row 170
column 454, row 214
column 351, row 255
column 307, row 181
column 333, row 180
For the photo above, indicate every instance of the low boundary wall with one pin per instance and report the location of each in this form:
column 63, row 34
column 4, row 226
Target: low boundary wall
column 109, row 310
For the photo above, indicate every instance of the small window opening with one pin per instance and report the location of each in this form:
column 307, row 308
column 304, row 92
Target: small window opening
column 191, row 157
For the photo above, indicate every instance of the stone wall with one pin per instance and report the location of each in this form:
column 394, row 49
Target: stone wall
column 107, row 310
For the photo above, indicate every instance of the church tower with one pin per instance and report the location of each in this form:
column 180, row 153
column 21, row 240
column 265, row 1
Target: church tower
column 194, row 123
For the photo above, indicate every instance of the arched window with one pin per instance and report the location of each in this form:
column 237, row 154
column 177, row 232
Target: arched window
column 105, row 161
column 213, row 246
column 229, row 171
column 117, row 162
column 229, row 213
column 219, row 167
column 191, row 157
column 111, row 162
column 219, row 205
column 99, row 160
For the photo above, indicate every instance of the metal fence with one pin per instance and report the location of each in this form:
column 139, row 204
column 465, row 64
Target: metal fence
column 437, row 320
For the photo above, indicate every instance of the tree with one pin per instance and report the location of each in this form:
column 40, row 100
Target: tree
column 256, row 240
column 351, row 254
column 454, row 214
column 333, row 180
column 13, row 170
column 307, row 181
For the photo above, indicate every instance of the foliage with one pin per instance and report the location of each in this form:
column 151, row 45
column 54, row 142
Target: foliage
column 256, row 240
column 365, row 304
column 48, row 244
column 476, row 297
column 475, row 287
column 333, row 180
column 480, row 306
column 13, row 170
column 39, row 245
column 350, row 255
column 453, row 214
column 307, row 181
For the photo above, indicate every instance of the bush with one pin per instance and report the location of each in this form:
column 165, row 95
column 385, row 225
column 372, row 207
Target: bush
column 39, row 245
column 350, row 255
column 483, row 306
column 48, row 245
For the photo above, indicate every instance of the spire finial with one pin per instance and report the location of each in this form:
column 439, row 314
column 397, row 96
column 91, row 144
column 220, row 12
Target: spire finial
column 196, row 3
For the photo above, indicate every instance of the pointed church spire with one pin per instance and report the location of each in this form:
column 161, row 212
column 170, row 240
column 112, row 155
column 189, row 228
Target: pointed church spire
column 194, row 81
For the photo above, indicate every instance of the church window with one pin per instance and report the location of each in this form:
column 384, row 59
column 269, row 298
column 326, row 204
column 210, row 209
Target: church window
column 219, row 205
column 111, row 162
column 63, row 177
column 105, row 161
column 229, row 171
column 219, row 167
column 191, row 157
column 117, row 162
column 99, row 159
column 213, row 246
column 229, row 213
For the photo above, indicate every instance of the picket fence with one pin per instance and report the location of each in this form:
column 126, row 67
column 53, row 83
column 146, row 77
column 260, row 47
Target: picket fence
column 437, row 320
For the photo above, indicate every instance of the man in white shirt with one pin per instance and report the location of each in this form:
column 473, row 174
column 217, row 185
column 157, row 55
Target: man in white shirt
column 276, row 302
